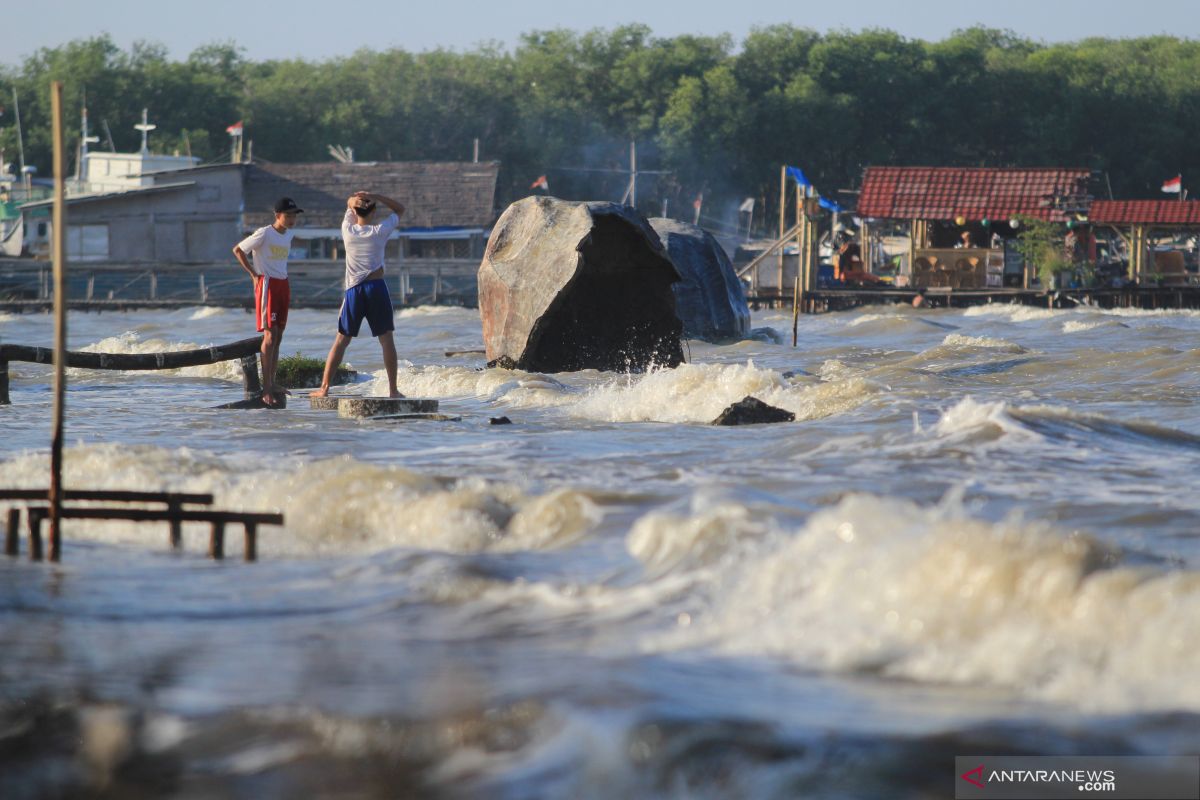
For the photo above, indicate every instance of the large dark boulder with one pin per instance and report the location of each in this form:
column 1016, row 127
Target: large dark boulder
column 752, row 411
column 566, row 286
column 710, row 300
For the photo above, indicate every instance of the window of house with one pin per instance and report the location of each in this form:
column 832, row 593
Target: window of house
column 87, row 242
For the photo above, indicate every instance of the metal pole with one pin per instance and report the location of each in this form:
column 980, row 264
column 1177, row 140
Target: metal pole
column 20, row 139
column 633, row 173
column 60, row 319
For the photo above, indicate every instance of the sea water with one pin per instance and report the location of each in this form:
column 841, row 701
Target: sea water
column 980, row 535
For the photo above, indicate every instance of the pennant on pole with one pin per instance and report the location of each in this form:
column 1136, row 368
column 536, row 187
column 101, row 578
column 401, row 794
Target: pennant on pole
column 747, row 205
column 829, row 205
column 697, row 204
column 1173, row 185
column 540, row 183
column 235, row 129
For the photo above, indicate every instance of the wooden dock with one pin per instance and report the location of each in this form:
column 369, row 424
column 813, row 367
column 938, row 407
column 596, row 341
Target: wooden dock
column 820, row 301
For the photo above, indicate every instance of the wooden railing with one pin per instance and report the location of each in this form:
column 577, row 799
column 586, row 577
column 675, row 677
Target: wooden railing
column 245, row 349
column 172, row 511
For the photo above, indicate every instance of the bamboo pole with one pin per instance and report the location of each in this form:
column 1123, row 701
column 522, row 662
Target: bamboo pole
column 60, row 319
column 782, row 217
column 795, row 307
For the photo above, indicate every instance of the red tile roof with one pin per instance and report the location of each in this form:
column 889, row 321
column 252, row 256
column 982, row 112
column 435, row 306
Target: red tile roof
column 1134, row 212
column 944, row 193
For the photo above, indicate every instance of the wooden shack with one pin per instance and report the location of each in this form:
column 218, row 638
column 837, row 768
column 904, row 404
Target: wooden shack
column 959, row 218
column 1139, row 223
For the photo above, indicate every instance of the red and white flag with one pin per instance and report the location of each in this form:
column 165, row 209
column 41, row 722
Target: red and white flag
column 235, row 129
column 540, row 183
column 1174, row 185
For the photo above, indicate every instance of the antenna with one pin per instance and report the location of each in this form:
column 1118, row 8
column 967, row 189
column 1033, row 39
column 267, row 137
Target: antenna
column 145, row 127
column 112, row 148
column 81, row 172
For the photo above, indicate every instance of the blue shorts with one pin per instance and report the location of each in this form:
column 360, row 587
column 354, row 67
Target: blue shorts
column 369, row 299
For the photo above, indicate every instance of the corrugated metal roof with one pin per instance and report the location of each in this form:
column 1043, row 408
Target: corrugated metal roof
column 434, row 194
column 944, row 193
column 92, row 198
column 1139, row 212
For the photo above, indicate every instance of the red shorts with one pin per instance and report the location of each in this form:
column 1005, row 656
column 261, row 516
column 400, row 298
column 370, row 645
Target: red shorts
column 271, row 299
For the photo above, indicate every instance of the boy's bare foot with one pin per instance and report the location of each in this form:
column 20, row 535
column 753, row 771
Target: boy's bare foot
column 268, row 398
column 321, row 392
column 394, row 393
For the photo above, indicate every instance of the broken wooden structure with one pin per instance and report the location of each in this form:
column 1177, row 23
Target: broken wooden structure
column 567, row 286
column 170, row 507
column 246, row 350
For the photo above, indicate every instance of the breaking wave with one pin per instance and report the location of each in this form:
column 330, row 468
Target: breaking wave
column 883, row 586
column 697, row 393
column 332, row 505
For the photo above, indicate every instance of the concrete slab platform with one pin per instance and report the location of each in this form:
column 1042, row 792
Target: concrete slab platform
column 359, row 407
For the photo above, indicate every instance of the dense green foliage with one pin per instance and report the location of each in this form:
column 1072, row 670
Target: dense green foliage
column 720, row 118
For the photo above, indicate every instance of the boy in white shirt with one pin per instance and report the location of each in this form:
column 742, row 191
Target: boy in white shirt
column 269, row 247
column 367, row 294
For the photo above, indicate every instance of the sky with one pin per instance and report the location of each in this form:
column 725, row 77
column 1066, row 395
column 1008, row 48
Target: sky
column 318, row 30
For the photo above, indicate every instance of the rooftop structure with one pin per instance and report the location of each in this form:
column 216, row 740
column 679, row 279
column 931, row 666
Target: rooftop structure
column 972, row 193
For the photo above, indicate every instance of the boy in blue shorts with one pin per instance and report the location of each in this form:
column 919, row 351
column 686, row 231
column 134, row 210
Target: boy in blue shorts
column 367, row 295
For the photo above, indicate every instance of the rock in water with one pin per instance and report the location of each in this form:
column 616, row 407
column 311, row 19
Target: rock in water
column 752, row 411
column 710, row 300
column 567, row 286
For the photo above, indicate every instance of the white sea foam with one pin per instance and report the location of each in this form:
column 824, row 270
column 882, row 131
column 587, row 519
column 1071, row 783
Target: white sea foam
column 699, row 392
column 663, row 540
column 131, row 342
column 329, row 505
column 969, row 418
column 1014, row 313
column 959, row 340
column 865, row 318
column 1079, row 326
column 207, row 312
column 512, row 387
column 932, row 595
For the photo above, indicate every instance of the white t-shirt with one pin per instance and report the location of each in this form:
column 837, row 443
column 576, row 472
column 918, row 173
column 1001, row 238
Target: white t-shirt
column 364, row 246
column 269, row 251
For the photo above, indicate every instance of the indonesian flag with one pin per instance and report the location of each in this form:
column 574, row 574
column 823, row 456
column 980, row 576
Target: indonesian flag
column 540, row 183
column 235, row 129
column 1174, row 185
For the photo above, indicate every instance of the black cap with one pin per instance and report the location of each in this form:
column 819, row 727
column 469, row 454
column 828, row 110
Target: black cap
column 286, row 204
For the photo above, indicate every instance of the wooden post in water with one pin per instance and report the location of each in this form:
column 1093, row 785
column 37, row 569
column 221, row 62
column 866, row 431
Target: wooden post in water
column 250, row 382
column 12, row 534
column 60, row 319
column 795, row 306
column 250, row 552
column 216, row 542
column 801, row 237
